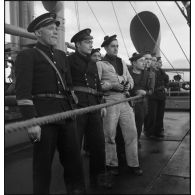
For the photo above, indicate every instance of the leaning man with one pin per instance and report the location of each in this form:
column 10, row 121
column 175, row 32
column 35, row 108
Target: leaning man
column 43, row 87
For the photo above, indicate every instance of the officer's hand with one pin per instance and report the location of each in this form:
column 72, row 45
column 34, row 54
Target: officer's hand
column 34, row 133
column 103, row 112
column 165, row 90
column 140, row 92
column 118, row 87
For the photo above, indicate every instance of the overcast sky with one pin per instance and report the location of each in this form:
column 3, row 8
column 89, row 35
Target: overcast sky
column 105, row 14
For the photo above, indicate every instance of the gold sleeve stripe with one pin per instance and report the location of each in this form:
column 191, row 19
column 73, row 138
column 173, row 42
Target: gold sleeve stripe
column 25, row 102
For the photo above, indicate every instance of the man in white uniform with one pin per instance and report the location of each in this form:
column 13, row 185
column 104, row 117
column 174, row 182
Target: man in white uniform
column 116, row 82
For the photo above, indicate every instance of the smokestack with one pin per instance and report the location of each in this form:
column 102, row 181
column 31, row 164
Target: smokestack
column 141, row 38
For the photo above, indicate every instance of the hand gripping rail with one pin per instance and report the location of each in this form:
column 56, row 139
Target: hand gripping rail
column 17, row 126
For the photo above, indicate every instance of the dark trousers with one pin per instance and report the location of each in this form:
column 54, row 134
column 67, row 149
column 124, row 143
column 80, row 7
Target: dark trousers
column 154, row 120
column 140, row 110
column 91, row 125
column 65, row 139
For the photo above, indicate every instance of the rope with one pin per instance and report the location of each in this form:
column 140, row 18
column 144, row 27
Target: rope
column 120, row 28
column 96, row 18
column 153, row 38
column 172, row 32
column 13, row 127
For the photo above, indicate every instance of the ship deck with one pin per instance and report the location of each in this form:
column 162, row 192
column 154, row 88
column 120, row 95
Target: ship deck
column 165, row 162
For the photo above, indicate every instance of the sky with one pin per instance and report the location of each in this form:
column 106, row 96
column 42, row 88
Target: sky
column 105, row 14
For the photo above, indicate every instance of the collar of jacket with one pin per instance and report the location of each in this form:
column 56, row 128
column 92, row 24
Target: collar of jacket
column 44, row 47
column 85, row 58
column 111, row 58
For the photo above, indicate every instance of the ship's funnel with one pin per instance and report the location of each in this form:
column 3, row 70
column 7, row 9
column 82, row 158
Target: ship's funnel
column 52, row 6
column 140, row 37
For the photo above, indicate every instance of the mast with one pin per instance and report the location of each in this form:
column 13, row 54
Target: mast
column 188, row 9
column 21, row 14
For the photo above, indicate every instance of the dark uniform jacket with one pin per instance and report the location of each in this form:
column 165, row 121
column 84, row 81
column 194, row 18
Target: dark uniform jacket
column 85, row 74
column 144, row 82
column 161, row 81
column 34, row 75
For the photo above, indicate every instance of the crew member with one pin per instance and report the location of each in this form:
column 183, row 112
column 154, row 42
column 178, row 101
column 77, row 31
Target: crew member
column 116, row 81
column 95, row 55
column 156, row 103
column 88, row 90
column 44, row 88
column 143, row 87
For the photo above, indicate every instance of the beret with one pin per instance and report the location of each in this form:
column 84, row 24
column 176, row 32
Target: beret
column 136, row 56
column 95, row 50
column 108, row 40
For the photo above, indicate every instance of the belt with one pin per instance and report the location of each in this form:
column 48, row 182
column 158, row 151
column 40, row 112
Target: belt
column 86, row 90
column 49, row 95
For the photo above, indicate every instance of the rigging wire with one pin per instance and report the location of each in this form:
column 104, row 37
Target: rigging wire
column 120, row 28
column 77, row 16
column 152, row 37
column 172, row 32
column 95, row 17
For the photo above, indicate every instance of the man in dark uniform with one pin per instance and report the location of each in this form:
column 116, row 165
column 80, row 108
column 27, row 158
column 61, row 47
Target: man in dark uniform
column 150, row 68
column 41, row 91
column 156, row 103
column 95, row 57
column 142, row 86
column 87, row 87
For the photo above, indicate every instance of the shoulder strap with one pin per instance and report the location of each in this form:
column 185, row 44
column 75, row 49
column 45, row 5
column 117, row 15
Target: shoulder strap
column 52, row 64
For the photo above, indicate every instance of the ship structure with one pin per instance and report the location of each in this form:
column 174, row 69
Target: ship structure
column 165, row 161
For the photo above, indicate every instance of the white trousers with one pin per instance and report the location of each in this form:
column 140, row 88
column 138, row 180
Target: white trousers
column 123, row 114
